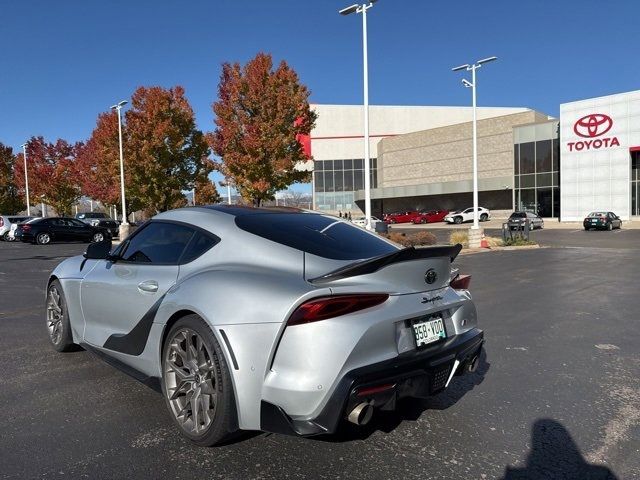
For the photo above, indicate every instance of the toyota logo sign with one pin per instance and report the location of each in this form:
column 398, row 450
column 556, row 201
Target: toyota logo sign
column 593, row 125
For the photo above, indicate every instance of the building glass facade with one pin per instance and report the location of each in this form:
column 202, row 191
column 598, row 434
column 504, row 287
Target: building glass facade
column 536, row 169
column 635, row 183
column 336, row 180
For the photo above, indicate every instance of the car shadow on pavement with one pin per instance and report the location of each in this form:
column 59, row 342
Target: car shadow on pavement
column 410, row 409
column 554, row 454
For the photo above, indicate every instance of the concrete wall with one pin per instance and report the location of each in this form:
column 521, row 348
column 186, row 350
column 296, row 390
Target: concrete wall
column 339, row 128
column 444, row 155
column 595, row 169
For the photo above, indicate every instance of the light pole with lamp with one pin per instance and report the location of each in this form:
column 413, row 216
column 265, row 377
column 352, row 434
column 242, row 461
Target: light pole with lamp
column 356, row 8
column 475, row 235
column 26, row 178
column 124, row 226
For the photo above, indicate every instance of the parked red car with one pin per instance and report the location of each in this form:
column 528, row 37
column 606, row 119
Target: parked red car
column 402, row 217
column 431, row 216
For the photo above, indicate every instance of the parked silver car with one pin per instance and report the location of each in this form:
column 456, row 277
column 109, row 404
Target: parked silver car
column 7, row 221
column 279, row 320
column 517, row 221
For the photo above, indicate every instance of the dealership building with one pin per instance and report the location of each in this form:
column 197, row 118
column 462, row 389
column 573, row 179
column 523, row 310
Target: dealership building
column 422, row 158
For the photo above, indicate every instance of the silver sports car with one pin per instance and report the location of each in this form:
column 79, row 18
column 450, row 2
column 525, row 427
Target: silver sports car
column 279, row 320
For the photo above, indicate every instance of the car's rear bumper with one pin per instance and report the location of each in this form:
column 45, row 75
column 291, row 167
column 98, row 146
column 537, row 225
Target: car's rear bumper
column 419, row 373
column 24, row 237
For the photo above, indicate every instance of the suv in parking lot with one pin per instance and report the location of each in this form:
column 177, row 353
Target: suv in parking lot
column 99, row 219
column 517, row 221
column 466, row 215
column 6, row 221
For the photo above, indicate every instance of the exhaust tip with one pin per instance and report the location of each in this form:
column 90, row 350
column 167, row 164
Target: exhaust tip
column 472, row 366
column 361, row 414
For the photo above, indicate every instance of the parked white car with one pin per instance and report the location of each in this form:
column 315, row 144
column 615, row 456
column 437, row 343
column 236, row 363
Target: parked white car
column 360, row 221
column 467, row 215
column 8, row 224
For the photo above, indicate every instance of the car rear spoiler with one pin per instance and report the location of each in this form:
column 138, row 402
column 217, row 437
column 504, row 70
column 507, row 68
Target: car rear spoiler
column 374, row 264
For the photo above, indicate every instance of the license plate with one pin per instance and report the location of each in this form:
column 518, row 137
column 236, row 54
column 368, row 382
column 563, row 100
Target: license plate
column 594, row 221
column 429, row 331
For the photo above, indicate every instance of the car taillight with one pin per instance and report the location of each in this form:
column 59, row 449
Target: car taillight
column 329, row 307
column 25, row 228
column 461, row 282
column 1, row 222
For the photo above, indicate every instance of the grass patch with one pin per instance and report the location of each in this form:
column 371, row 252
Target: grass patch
column 461, row 237
column 518, row 242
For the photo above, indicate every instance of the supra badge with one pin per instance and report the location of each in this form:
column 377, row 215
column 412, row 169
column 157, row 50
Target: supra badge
column 431, row 276
column 430, row 300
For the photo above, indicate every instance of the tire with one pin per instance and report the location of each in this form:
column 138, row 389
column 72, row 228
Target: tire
column 6, row 237
column 586, row 229
column 43, row 238
column 98, row 237
column 176, row 379
column 57, row 319
column 610, row 226
column 457, row 220
column 484, row 217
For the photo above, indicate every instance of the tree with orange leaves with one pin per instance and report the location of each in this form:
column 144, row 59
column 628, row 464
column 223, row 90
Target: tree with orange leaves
column 165, row 152
column 53, row 174
column 260, row 114
column 11, row 197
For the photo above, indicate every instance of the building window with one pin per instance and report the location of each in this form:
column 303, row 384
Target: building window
column 536, row 176
column 336, row 181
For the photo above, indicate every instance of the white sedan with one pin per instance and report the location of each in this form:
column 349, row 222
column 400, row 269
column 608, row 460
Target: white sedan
column 361, row 221
column 467, row 215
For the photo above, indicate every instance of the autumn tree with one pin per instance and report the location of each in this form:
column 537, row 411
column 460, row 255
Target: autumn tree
column 206, row 192
column 260, row 114
column 11, row 198
column 98, row 161
column 165, row 153
column 53, row 176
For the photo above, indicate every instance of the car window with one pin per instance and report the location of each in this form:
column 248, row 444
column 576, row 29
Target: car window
column 518, row 215
column 468, row 210
column 76, row 223
column 319, row 235
column 158, row 242
column 200, row 243
column 597, row 214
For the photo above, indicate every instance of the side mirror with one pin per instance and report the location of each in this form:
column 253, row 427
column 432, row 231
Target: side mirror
column 98, row 250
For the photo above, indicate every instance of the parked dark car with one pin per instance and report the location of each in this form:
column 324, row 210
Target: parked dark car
column 431, row 216
column 517, row 221
column 59, row 229
column 602, row 221
column 99, row 219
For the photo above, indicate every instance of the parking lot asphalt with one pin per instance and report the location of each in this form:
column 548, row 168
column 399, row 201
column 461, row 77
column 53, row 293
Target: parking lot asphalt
column 555, row 395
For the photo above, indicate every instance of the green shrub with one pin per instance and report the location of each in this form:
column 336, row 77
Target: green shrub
column 417, row 239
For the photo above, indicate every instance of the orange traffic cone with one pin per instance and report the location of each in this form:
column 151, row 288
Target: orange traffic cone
column 484, row 243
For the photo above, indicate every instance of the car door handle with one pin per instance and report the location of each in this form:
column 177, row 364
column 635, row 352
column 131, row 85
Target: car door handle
column 149, row 286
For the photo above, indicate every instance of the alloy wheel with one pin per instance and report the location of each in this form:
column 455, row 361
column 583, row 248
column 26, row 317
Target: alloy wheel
column 191, row 381
column 43, row 238
column 55, row 315
column 98, row 237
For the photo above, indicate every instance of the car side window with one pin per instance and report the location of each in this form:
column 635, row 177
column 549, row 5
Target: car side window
column 159, row 243
column 200, row 244
column 76, row 223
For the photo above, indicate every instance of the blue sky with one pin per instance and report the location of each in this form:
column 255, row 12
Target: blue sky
column 61, row 63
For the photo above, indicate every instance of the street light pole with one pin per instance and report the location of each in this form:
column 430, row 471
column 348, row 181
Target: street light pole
column 472, row 85
column 367, row 161
column 26, row 178
column 124, row 230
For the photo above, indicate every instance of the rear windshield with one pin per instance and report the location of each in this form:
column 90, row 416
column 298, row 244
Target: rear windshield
column 598, row 214
column 316, row 234
column 518, row 215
